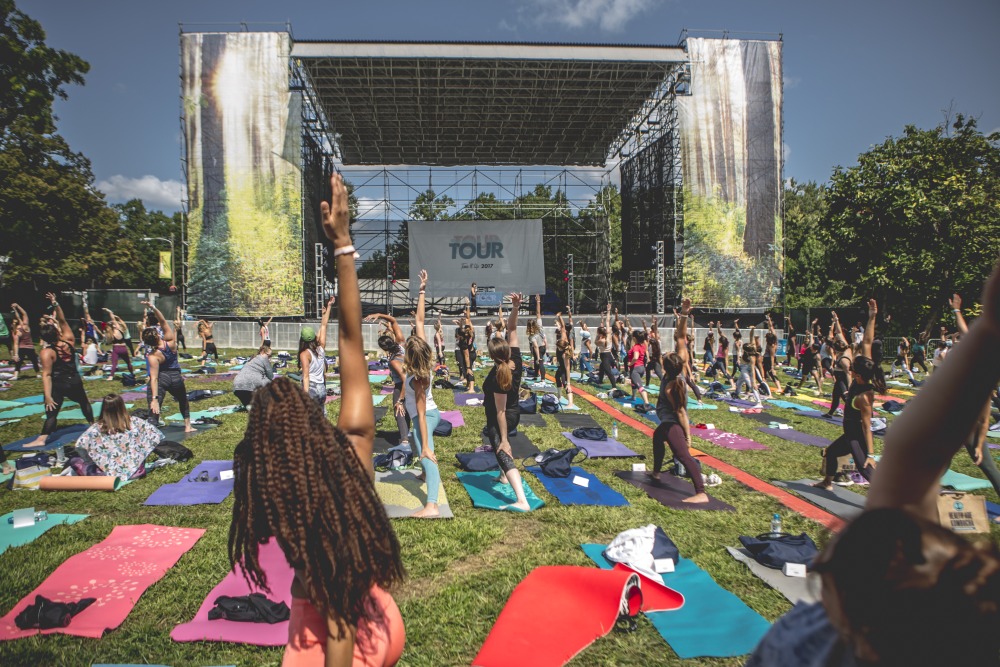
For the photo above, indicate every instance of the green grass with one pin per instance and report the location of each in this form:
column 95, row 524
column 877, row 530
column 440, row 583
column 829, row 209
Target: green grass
column 460, row 572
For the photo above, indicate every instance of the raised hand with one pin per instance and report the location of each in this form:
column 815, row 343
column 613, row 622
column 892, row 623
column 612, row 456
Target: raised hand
column 423, row 279
column 336, row 219
column 515, row 300
column 51, row 297
column 955, row 302
column 872, row 307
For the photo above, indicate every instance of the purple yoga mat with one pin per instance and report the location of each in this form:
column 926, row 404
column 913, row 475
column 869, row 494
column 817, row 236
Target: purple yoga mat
column 737, row 403
column 463, row 399
column 609, row 448
column 454, row 417
column 797, row 436
column 134, row 396
column 671, row 491
column 187, row 492
column 279, row 578
column 724, row 439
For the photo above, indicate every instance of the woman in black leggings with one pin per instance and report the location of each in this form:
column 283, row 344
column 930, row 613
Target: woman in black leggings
column 502, row 414
column 60, row 378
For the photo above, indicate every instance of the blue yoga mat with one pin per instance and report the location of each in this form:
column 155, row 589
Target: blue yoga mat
column 486, row 492
column 568, row 493
column 38, row 399
column 63, row 436
column 15, row 537
column 993, row 510
column 189, row 492
column 712, row 623
column 791, row 406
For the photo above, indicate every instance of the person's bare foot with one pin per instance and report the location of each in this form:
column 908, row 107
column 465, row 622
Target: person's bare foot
column 653, row 475
column 517, row 507
column 501, row 479
column 190, row 429
column 823, row 485
column 37, row 442
column 7, row 469
column 430, row 511
column 697, row 498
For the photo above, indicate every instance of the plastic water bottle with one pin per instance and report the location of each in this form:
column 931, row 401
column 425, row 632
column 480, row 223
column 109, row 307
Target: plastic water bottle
column 40, row 515
column 775, row 524
column 614, row 429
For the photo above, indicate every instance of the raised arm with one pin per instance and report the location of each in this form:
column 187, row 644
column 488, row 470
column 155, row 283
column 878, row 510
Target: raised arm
column 680, row 333
column 65, row 330
column 869, row 337
column 955, row 303
column 21, row 315
column 168, row 332
column 515, row 305
column 939, row 419
column 606, row 320
column 324, row 323
column 538, row 306
column 357, row 416
column 421, row 307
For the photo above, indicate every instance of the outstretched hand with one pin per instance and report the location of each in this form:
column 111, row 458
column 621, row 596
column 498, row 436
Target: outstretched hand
column 955, row 302
column 423, row 278
column 51, row 297
column 872, row 307
column 336, row 218
column 515, row 300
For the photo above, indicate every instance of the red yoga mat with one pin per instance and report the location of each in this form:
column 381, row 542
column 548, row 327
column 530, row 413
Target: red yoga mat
column 116, row 571
column 575, row 605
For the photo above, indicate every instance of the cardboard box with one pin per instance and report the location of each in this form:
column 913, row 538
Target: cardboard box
column 963, row 512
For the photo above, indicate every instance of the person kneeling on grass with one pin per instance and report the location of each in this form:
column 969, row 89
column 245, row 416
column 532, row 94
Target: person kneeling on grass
column 255, row 374
column 117, row 444
column 307, row 484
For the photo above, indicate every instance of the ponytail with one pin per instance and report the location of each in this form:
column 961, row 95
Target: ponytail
column 673, row 384
column 500, row 353
column 505, row 377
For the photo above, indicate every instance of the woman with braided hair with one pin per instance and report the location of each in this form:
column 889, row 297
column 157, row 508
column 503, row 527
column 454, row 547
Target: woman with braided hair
column 308, row 485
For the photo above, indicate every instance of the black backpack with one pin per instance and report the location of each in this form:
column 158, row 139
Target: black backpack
column 590, row 433
column 528, row 406
column 555, row 462
column 443, row 428
column 775, row 549
column 550, row 404
column 477, row 461
column 168, row 449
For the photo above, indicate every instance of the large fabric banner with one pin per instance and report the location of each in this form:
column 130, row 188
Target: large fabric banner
column 502, row 255
column 731, row 159
column 243, row 143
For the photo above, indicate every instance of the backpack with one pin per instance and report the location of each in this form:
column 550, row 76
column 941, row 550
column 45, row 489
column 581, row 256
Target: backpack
column 443, row 428
column 477, row 461
column 557, row 463
column 617, row 393
column 529, row 405
column 168, row 449
column 128, row 380
column 643, row 408
column 550, row 404
column 679, row 470
column 773, row 550
column 394, row 460
column 590, row 433
column 442, row 383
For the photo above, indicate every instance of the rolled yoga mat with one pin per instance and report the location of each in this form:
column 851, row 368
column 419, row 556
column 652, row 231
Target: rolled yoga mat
column 609, row 448
column 117, row 571
column 16, row 537
column 795, row 589
column 838, row 500
column 279, row 579
column 78, row 483
column 568, row 492
column 402, row 494
column 487, row 493
column 575, row 605
column 792, row 435
column 189, row 492
column 724, row 439
column 712, row 623
column 671, row 491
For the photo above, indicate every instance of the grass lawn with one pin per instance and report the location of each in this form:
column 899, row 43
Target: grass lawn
column 460, row 571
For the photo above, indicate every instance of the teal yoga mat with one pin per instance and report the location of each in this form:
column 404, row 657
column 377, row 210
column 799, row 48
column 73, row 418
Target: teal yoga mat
column 37, row 399
column 15, row 537
column 487, row 493
column 76, row 413
column 712, row 623
column 791, row 406
column 378, row 398
column 961, row 482
column 5, row 405
column 23, row 411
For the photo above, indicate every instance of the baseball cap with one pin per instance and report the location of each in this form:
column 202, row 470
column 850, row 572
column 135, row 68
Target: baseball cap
column 308, row 334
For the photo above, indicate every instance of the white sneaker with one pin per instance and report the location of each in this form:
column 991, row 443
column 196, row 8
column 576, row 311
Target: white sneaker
column 713, row 480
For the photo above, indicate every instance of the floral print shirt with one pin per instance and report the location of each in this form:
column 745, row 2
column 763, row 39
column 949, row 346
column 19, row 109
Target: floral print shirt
column 121, row 454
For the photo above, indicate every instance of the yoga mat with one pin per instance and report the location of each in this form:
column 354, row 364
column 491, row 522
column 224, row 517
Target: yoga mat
column 992, row 509
column 380, row 412
column 77, row 483
column 724, row 439
column 790, row 406
column 377, row 399
column 176, row 433
column 737, row 403
column 795, row 589
column 521, row 446
column 693, row 405
column 712, row 623
column 575, row 605
column 10, row 404
column 838, row 500
column 23, row 411
column 568, row 492
column 962, row 482
column 454, row 417
column 377, row 378
column 573, row 422
column 671, row 491
column 77, row 413
column 402, row 494
column 609, row 448
column 279, row 579
column 487, row 493
column 763, row 418
column 116, row 572
column 37, row 399
column 797, row 436
column 189, row 492
column 134, row 396
column 463, row 398
column 62, row 436
column 15, row 537
column 535, row 420
column 209, row 412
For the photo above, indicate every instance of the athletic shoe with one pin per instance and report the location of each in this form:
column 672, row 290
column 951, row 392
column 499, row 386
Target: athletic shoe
column 713, row 480
column 857, row 478
column 842, row 479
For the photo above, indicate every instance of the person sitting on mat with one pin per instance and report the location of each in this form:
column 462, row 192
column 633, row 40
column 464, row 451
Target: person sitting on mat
column 255, row 373
column 308, row 484
column 420, row 405
column 859, row 404
column 500, row 402
column 117, row 443
column 897, row 588
column 671, row 408
column 164, row 369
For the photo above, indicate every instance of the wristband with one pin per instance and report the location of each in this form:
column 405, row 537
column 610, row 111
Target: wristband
column 957, row 310
column 347, row 249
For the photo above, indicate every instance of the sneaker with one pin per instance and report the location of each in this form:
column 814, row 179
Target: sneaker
column 842, row 479
column 713, row 480
column 857, row 478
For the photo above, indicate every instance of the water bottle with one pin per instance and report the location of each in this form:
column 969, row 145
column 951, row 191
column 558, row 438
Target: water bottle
column 775, row 524
column 614, row 429
column 40, row 515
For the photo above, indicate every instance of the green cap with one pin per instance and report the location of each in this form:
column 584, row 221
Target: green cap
column 308, row 334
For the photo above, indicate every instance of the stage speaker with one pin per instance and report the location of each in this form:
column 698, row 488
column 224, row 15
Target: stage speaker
column 638, row 302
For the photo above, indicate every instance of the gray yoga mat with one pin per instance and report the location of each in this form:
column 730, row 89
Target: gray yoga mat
column 609, row 448
column 796, row 589
column 535, row 420
column 792, row 435
column 521, row 446
column 575, row 421
column 838, row 500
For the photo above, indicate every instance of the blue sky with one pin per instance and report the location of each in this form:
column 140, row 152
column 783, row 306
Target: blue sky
column 855, row 72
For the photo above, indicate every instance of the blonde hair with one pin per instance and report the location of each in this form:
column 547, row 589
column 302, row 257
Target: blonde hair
column 500, row 353
column 114, row 417
column 531, row 328
column 417, row 359
column 264, row 349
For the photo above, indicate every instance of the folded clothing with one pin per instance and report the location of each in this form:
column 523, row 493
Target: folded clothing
column 253, row 608
column 46, row 614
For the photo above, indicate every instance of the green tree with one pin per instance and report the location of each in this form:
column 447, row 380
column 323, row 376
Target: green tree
column 807, row 253
column 426, row 206
column 916, row 219
column 137, row 223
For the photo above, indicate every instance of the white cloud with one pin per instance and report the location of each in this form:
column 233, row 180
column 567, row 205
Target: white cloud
column 506, row 25
column 154, row 193
column 791, row 81
column 608, row 15
column 786, row 151
column 371, row 209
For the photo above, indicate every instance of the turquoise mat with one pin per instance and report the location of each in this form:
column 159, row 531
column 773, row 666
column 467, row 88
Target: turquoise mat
column 15, row 537
column 23, row 411
column 378, row 379
column 712, row 623
column 37, row 399
column 378, row 398
column 10, row 404
column 791, row 406
column 76, row 413
column 961, row 482
column 487, row 493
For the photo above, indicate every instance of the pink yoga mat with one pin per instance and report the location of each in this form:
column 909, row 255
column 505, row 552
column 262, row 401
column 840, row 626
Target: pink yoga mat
column 454, row 417
column 116, row 572
column 727, row 440
column 279, row 578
